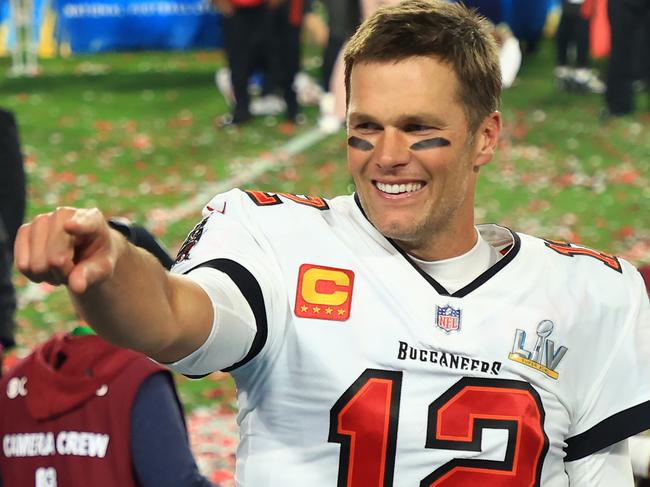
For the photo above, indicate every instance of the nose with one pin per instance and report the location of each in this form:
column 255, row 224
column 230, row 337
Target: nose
column 392, row 149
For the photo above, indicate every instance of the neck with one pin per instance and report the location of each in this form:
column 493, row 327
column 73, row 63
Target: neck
column 457, row 237
column 445, row 245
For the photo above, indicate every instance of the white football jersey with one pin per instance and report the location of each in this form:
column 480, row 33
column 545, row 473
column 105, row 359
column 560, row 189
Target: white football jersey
column 366, row 372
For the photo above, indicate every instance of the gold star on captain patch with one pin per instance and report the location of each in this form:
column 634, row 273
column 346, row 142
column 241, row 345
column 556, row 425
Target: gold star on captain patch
column 340, row 311
column 316, row 309
column 304, row 309
column 328, row 311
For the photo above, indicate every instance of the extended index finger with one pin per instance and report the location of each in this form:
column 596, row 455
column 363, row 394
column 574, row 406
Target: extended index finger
column 60, row 242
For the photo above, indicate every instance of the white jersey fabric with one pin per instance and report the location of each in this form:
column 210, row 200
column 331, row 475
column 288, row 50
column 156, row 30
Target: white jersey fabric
column 366, row 371
column 454, row 273
column 234, row 327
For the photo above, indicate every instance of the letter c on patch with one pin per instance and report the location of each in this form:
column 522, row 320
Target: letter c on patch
column 317, row 286
column 324, row 292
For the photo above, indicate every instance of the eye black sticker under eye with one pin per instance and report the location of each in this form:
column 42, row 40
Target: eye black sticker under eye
column 358, row 143
column 430, row 143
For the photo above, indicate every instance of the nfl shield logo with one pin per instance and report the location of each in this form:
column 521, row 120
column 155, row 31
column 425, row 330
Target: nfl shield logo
column 448, row 318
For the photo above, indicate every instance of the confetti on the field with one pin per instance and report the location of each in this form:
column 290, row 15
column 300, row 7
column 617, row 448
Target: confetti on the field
column 214, row 438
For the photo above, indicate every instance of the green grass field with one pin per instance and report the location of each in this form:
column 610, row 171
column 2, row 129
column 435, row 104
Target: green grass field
column 134, row 134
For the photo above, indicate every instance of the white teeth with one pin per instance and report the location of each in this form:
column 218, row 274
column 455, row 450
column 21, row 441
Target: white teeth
column 398, row 188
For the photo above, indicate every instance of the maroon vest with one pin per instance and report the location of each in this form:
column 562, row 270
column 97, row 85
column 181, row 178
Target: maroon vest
column 87, row 446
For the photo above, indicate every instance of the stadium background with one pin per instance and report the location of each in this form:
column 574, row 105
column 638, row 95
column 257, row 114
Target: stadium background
column 133, row 132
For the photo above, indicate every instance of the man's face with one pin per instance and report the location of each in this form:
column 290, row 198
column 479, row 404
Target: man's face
column 411, row 154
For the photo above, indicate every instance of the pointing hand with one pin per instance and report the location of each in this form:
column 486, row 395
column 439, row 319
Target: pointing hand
column 70, row 246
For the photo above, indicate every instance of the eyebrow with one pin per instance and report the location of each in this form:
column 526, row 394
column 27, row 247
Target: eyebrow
column 356, row 117
column 401, row 121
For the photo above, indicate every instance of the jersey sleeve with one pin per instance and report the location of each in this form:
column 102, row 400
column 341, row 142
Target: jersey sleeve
column 234, row 327
column 616, row 371
column 610, row 466
column 228, row 240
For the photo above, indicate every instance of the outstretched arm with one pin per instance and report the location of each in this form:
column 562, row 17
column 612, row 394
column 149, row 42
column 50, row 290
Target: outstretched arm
column 122, row 291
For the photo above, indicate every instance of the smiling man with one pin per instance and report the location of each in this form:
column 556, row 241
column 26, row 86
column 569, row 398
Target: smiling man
column 382, row 338
column 413, row 156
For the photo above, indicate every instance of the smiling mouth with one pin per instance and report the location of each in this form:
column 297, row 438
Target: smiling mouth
column 397, row 189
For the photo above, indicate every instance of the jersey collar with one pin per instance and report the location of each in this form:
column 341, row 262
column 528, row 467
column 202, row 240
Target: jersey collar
column 509, row 254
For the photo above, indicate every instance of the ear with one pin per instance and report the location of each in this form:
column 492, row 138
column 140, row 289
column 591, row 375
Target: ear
column 487, row 137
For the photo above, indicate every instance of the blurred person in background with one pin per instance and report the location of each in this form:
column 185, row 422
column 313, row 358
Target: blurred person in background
column 573, row 37
column 333, row 107
column 343, row 18
column 285, row 20
column 12, row 211
column 262, row 38
column 630, row 29
column 244, row 26
column 80, row 411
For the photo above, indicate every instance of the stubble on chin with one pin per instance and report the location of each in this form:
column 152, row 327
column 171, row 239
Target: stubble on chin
column 407, row 234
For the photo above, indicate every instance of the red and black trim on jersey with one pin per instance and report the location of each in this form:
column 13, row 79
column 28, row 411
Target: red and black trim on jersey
column 263, row 198
column 513, row 250
column 458, row 418
column 570, row 250
column 608, row 432
column 251, row 290
column 382, row 387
